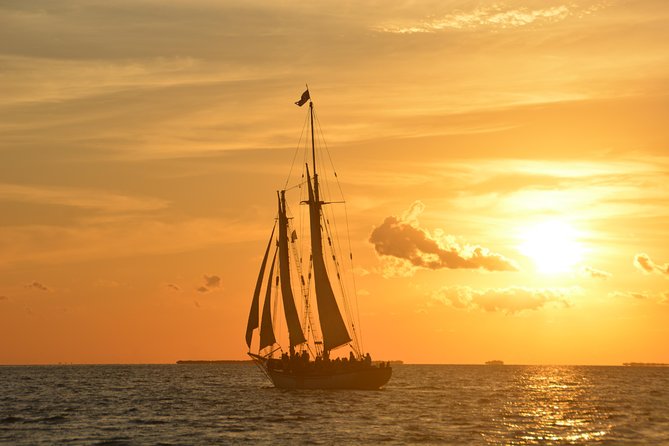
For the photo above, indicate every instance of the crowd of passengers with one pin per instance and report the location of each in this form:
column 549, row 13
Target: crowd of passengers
column 301, row 362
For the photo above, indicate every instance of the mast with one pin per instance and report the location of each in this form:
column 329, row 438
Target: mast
column 313, row 146
column 295, row 334
column 332, row 323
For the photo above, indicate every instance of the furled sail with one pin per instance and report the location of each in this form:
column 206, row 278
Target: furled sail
column 332, row 324
column 295, row 334
column 266, row 331
column 252, row 324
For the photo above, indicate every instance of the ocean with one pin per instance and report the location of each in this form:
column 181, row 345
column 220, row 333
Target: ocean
column 422, row 404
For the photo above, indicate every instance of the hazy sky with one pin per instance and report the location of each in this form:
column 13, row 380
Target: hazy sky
column 505, row 167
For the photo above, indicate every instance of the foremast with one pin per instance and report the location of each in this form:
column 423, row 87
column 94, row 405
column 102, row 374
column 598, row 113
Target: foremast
column 295, row 334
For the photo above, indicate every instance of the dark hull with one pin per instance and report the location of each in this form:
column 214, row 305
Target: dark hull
column 371, row 378
column 363, row 377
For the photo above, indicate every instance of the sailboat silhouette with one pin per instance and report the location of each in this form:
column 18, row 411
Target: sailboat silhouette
column 315, row 336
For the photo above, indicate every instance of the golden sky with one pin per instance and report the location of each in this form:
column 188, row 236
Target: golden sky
column 505, row 167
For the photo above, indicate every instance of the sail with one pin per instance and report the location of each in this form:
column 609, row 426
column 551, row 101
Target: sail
column 266, row 331
column 295, row 334
column 252, row 323
column 332, row 324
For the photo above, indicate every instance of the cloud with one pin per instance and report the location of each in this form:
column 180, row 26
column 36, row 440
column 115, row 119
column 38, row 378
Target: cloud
column 393, row 267
column 4, row 298
column 173, row 287
column 594, row 273
column 81, row 198
column 643, row 262
column 212, row 281
column 510, row 300
column 495, row 16
column 37, row 286
column 642, row 295
column 402, row 238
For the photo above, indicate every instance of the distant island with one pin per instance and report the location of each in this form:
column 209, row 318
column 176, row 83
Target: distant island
column 391, row 362
column 645, row 364
column 494, row 362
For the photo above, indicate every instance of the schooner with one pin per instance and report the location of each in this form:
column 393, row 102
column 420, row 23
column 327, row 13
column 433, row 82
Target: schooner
column 306, row 361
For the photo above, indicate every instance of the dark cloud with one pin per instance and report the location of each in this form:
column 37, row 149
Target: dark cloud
column 173, row 287
column 595, row 273
column 37, row 286
column 4, row 298
column 404, row 239
column 643, row 262
column 507, row 300
column 212, row 281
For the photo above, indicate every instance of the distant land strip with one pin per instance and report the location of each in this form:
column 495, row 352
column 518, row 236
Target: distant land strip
column 645, row 364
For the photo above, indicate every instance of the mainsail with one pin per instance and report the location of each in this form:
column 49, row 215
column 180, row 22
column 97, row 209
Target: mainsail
column 295, row 334
column 332, row 324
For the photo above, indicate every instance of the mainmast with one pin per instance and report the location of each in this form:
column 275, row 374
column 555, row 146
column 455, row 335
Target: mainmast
column 332, row 323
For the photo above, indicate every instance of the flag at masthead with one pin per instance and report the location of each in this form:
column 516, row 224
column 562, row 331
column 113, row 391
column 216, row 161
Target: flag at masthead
column 303, row 100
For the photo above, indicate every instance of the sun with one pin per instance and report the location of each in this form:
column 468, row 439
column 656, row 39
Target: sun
column 552, row 245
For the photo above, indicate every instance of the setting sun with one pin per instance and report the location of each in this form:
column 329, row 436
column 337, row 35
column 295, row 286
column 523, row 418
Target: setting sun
column 552, row 245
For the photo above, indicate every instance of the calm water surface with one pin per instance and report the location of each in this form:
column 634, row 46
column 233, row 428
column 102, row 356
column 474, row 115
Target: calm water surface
column 232, row 403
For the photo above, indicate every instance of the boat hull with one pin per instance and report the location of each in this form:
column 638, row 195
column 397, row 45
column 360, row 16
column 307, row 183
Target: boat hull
column 371, row 378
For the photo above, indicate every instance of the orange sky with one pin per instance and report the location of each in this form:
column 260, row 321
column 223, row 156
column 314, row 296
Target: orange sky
column 505, row 167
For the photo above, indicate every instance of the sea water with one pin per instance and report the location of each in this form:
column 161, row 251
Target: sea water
column 422, row 404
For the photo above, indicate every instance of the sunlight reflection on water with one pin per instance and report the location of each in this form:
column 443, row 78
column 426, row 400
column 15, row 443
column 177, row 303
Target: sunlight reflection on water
column 551, row 404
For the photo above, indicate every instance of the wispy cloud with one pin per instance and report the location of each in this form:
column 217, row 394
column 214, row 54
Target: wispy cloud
column 642, row 295
column 507, row 300
column 594, row 273
column 113, row 239
column 495, row 16
column 37, row 286
column 644, row 263
column 82, row 198
column 403, row 238
column 210, row 283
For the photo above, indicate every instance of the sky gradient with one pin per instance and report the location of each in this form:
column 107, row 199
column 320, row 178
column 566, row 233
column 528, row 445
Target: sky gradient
column 505, row 167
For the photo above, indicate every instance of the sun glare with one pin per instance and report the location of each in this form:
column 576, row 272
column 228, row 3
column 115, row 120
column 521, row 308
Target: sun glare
column 552, row 246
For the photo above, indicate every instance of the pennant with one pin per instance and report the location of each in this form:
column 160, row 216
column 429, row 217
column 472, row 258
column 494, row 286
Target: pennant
column 305, row 97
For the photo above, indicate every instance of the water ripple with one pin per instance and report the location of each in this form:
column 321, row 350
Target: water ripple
column 232, row 404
